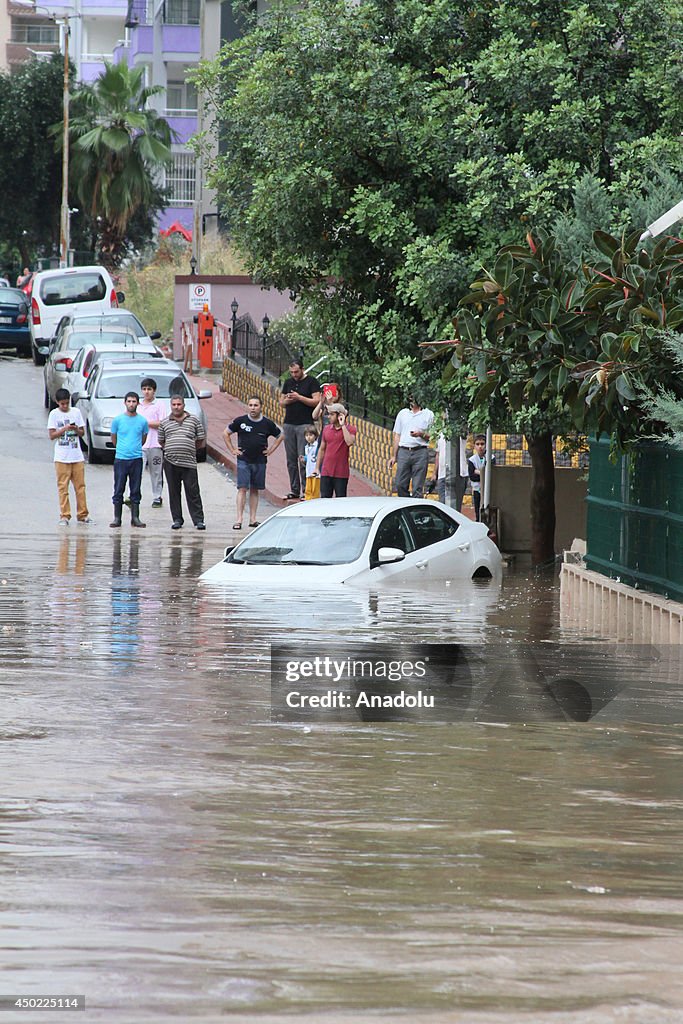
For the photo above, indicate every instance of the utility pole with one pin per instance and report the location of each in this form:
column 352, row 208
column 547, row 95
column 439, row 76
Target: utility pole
column 64, row 222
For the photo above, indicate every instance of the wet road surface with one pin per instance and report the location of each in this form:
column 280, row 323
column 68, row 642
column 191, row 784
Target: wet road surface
column 172, row 855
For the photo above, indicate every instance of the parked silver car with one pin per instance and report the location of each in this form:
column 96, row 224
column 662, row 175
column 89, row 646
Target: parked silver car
column 86, row 359
column 112, row 318
column 61, row 356
column 107, row 385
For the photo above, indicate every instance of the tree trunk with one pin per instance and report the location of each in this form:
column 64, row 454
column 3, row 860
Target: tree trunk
column 542, row 499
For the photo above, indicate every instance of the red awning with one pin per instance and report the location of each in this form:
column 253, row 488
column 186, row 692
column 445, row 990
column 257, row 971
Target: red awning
column 177, row 228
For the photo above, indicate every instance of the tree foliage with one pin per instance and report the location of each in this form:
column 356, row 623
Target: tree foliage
column 30, row 170
column 118, row 146
column 392, row 147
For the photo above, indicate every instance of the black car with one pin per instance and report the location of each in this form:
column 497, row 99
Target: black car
column 14, row 331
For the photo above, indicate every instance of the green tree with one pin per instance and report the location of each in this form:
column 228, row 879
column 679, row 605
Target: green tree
column 553, row 351
column 30, row 170
column 391, row 147
column 118, row 147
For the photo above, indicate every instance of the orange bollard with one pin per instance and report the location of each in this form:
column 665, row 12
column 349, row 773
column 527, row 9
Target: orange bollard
column 205, row 322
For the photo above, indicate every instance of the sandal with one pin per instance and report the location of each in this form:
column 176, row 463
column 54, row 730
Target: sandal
column 252, row 525
column 237, row 526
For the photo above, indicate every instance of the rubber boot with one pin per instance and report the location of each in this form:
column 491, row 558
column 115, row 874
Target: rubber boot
column 135, row 515
column 117, row 516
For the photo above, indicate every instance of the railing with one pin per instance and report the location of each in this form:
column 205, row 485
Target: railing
column 180, row 112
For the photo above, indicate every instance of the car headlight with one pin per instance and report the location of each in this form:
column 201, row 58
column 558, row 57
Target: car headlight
column 106, row 422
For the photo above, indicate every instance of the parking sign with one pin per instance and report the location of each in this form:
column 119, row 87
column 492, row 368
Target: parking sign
column 199, row 294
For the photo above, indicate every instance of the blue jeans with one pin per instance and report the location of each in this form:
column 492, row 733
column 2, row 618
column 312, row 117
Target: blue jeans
column 131, row 470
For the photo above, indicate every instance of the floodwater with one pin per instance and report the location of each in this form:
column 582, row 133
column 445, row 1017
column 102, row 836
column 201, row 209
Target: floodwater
column 168, row 852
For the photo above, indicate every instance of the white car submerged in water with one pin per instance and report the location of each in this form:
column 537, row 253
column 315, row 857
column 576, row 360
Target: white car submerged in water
column 360, row 541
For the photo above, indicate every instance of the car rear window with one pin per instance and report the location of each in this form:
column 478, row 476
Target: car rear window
column 169, row 385
column 79, row 339
column 86, row 287
column 113, row 320
column 12, row 297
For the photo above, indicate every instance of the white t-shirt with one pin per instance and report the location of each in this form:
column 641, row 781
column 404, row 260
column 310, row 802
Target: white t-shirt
column 68, row 446
column 153, row 412
column 407, row 421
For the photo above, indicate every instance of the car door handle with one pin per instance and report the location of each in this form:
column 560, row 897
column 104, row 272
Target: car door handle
column 464, row 547
column 421, row 565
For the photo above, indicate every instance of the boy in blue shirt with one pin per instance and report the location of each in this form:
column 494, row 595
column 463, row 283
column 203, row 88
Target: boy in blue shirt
column 128, row 434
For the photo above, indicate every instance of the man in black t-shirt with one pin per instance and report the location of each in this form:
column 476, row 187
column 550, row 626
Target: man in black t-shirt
column 253, row 431
column 300, row 395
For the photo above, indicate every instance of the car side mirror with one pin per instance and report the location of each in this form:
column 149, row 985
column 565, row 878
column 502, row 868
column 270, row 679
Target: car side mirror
column 44, row 350
column 75, row 397
column 155, row 335
column 120, row 297
column 231, row 547
column 387, row 555
column 205, row 394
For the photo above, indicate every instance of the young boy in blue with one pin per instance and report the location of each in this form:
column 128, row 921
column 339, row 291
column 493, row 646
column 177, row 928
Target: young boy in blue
column 128, row 434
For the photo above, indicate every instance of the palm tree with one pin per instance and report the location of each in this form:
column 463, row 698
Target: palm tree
column 118, row 147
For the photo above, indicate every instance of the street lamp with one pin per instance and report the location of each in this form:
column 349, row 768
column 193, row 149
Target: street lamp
column 234, row 306
column 193, row 265
column 264, row 342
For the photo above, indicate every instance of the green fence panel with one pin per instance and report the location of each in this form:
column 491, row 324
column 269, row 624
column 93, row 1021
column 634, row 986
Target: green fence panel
column 635, row 520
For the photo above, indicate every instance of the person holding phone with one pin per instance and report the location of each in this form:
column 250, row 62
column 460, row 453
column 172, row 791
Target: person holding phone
column 65, row 427
column 332, row 463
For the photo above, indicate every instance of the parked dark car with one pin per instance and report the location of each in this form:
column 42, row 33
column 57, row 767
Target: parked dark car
column 14, row 330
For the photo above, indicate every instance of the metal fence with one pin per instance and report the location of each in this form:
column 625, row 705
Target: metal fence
column 267, row 353
column 635, row 529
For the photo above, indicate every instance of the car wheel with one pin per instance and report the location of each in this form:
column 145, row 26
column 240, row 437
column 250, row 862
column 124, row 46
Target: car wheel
column 94, row 457
column 37, row 358
column 24, row 352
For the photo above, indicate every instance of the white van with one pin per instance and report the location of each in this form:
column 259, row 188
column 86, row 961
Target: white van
column 59, row 292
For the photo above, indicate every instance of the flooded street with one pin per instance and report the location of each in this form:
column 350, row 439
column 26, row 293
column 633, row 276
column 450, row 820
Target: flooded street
column 168, row 852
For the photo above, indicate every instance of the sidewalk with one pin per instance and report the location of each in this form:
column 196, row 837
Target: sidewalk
column 220, row 410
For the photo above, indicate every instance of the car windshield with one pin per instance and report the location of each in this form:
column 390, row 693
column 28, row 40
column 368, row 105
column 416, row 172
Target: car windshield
column 169, row 385
column 305, row 540
column 87, row 287
column 114, row 320
column 12, row 297
column 80, row 338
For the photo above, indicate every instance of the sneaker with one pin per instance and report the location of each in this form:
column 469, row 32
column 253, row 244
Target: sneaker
column 87, row 521
column 200, row 526
column 176, row 525
column 63, row 521
column 291, row 496
column 157, row 503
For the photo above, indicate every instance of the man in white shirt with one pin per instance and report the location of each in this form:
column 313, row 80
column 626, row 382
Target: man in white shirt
column 410, row 453
column 65, row 427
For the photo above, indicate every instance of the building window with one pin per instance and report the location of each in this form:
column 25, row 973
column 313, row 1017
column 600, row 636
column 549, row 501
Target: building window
column 181, row 98
column 180, row 179
column 31, row 34
column 181, row 12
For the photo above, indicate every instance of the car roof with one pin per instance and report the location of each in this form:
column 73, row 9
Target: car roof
column 133, row 360
column 76, row 328
column 16, row 292
column 62, row 271
column 351, row 507
column 76, row 316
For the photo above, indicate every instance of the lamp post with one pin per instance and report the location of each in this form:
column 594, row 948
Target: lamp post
column 264, row 342
column 193, row 265
column 234, row 306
